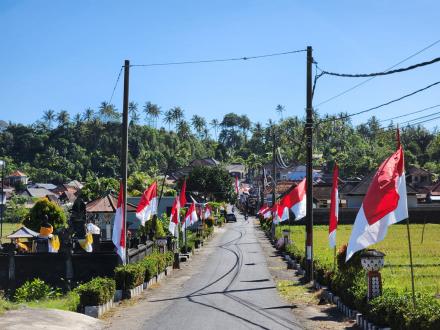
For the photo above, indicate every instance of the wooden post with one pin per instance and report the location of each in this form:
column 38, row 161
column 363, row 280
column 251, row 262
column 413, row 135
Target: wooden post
column 411, row 263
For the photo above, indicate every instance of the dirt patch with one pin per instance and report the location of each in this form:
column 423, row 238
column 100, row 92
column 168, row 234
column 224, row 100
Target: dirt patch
column 304, row 300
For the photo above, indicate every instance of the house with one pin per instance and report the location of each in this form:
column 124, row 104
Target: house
column 75, row 184
column 101, row 212
column 292, row 173
column 418, row 177
column 433, row 195
column 237, row 170
column 17, row 177
column 186, row 170
column 355, row 196
column 48, row 186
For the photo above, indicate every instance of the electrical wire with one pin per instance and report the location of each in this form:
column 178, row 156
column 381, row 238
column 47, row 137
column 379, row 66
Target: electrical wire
column 383, row 73
column 244, row 58
column 423, row 121
column 421, row 117
column 410, row 113
column 116, row 84
column 369, row 79
column 381, row 105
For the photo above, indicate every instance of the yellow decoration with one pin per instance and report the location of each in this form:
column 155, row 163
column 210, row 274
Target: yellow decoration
column 86, row 243
column 55, row 243
column 46, row 231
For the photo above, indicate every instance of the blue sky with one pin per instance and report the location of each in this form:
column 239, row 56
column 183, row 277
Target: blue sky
column 66, row 55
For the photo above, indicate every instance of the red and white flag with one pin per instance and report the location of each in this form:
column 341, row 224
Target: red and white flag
column 296, row 201
column 208, row 212
column 148, row 204
column 118, row 235
column 236, row 185
column 267, row 213
column 190, row 216
column 334, row 208
column 183, row 194
column 175, row 216
column 384, row 204
column 279, row 213
column 262, row 209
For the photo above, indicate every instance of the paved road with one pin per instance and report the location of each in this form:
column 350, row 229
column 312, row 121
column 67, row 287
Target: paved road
column 231, row 289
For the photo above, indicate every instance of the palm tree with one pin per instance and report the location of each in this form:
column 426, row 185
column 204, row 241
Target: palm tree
column 88, row 114
column 133, row 112
column 49, row 117
column 63, row 118
column 199, row 124
column 280, row 109
column 177, row 115
column 168, row 118
column 77, row 119
column 215, row 124
column 152, row 112
column 108, row 112
column 183, row 129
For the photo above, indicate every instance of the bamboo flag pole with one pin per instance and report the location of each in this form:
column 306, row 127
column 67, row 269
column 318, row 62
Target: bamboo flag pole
column 409, row 240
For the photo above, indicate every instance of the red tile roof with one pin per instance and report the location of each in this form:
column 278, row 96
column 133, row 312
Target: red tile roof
column 106, row 204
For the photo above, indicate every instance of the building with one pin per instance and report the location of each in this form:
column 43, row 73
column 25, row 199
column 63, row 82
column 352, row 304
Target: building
column 355, row 196
column 17, row 177
column 418, row 177
column 237, row 170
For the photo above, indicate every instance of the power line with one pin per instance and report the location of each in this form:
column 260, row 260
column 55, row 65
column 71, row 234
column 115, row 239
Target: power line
column 423, row 121
column 367, row 80
column 383, row 73
column 116, row 84
column 244, row 58
column 418, row 118
column 383, row 104
column 410, row 113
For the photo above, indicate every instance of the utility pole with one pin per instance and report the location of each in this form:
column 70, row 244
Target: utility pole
column 309, row 174
column 274, row 166
column 124, row 149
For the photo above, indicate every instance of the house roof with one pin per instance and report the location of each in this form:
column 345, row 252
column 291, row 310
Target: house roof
column 236, row 168
column 435, row 190
column 76, row 184
column 48, row 186
column 204, row 162
column 17, row 173
column 23, row 232
column 362, row 187
column 106, row 204
column 414, row 170
column 38, row 192
column 64, row 187
column 69, row 196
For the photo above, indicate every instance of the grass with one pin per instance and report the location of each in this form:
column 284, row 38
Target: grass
column 68, row 302
column 396, row 274
column 8, row 228
column 6, row 305
column 296, row 292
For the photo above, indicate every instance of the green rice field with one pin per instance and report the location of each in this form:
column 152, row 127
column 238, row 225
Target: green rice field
column 396, row 274
column 9, row 228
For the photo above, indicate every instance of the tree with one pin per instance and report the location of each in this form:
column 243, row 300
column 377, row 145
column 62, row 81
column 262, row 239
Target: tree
column 97, row 187
column 280, row 109
column 88, row 114
column 168, row 118
column 63, row 118
column 199, row 125
column 16, row 212
column 108, row 112
column 56, row 216
column 177, row 115
column 183, row 130
column 215, row 124
column 213, row 182
column 152, row 113
column 49, row 117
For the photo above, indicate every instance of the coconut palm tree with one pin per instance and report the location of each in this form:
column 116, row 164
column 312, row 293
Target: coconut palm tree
column 133, row 112
column 49, row 117
column 178, row 115
column 108, row 112
column 152, row 113
column 280, row 109
column 199, row 124
column 168, row 118
column 88, row 114
column 63, row 118
column 215, row 124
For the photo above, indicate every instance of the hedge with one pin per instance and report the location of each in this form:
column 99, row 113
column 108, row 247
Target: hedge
column 129, row 276
column 96, row 292
column 393, row 308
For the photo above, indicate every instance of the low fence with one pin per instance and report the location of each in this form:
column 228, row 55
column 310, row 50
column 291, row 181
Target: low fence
column 62, row 269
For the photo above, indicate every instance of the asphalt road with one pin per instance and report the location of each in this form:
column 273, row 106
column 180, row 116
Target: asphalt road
column 231, row 289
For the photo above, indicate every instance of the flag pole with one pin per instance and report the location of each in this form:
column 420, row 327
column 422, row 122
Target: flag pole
column 409, row 239
column 411, row 263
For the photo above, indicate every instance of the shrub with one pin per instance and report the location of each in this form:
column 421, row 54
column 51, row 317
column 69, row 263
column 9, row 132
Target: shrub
column 55, row 214
column 35, row 290
column 96, row 292
column 169, row 257
column 150, row 266
column 129, row 276
column 220, row 221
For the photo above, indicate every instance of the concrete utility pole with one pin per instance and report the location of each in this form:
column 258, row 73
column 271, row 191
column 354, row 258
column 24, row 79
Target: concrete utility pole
column 124, row 149
column 274, row 165
column 309, row 174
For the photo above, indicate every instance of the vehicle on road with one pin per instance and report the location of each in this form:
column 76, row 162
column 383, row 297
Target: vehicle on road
column 231, row 217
